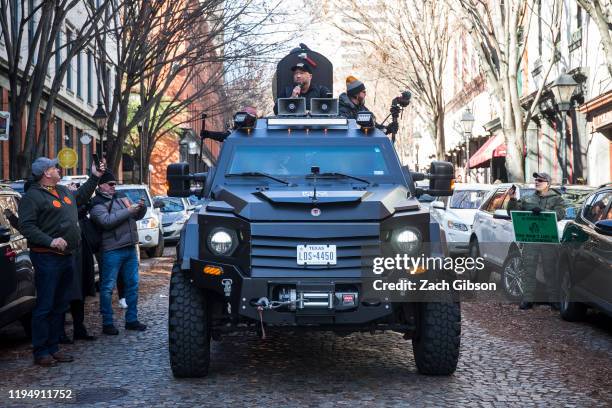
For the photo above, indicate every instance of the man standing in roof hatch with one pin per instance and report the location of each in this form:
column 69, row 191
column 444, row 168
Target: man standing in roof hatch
column 303, row 88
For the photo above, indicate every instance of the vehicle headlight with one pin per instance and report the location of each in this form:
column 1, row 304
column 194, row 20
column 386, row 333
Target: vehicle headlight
column 149, row 223
column 407, row 241
column 457, row 226
column 222, row 241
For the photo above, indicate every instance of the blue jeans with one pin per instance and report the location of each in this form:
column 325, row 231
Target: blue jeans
column 121, row 262
column 53, row 281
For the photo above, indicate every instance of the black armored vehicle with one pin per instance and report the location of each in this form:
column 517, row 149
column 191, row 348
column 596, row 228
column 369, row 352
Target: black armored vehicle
column 293, row 212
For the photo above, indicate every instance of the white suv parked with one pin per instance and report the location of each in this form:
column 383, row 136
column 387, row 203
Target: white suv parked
column 455, row 214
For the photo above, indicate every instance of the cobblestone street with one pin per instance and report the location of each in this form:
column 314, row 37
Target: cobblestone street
column 507, row 358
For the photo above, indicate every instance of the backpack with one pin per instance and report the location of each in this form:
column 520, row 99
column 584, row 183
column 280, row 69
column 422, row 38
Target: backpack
column 92, row 233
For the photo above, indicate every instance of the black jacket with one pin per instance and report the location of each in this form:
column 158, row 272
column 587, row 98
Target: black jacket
column 347, row 108
column 44, row 216
column 316, row 91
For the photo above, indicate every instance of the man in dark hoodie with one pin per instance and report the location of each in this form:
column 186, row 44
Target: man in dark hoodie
column 48, row 218
column 544, row 199
column 116, row 216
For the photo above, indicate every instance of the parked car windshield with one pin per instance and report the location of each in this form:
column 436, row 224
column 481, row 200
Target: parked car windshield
column 467, row 199
column 135, row 194
column 574, row 199
column 297, row 160
column 171, row 205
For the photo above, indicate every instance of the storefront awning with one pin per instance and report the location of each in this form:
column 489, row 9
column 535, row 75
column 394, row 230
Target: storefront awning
column 494, row 147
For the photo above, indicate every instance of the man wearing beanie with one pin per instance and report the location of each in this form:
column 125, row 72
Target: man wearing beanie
column 303, row 87
column 116, row 216
column 48, row 218
column 353, row 100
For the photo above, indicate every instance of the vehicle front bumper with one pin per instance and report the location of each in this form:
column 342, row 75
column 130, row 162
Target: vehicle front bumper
column 172, row 232
column 244, row 292
column 457, row 241
column 148, row 237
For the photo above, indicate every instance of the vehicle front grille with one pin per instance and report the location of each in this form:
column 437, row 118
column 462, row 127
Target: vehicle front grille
column 274, row 248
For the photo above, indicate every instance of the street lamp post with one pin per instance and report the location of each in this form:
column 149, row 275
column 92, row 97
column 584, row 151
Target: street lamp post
column 467, row 122
column 140, row 166
column 562, row 89
column 417, row 138
column 100, row 117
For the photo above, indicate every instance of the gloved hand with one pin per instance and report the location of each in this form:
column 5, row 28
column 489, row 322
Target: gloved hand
column 536, row 210
column 392, row 128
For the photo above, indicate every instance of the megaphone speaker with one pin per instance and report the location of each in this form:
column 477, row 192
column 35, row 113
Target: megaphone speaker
column 291, row 106
column 324, row 106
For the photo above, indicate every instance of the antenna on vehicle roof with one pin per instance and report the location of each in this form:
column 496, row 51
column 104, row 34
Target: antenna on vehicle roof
column 315, row 170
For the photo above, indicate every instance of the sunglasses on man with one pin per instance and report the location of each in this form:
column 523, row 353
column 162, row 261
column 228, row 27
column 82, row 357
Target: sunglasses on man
column 541, row 180
column 112, row 183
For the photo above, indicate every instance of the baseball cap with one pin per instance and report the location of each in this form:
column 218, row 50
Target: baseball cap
column 302, row 66
column 41, row 164
column 544, row 176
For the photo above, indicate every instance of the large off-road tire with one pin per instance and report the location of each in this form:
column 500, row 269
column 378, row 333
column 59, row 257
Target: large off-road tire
column 157, row 251
column 437, row 338
column 569, row 309
column 188, row 328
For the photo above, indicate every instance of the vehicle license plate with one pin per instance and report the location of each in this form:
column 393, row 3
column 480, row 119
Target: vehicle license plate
column 316, row 254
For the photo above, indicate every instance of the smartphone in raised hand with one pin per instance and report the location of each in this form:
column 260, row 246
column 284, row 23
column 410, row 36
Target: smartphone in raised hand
column 96, row 160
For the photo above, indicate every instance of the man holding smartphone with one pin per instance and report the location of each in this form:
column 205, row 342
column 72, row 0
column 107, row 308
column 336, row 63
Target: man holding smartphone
column 116, row 217
column 48, row 218
column 544, row 199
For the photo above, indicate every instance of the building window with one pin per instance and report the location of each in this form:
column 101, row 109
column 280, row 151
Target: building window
column 59, row 143
column 31, row 28
column 45, row 138
column 69, row 70
column 79, row 76
column 578, row 17
column 68, row 134
column 540, row 27
column 58, row 51
column 89, row 77
column 68, row 141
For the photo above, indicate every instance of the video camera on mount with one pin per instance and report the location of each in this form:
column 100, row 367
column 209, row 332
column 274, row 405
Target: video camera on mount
column 403, row 100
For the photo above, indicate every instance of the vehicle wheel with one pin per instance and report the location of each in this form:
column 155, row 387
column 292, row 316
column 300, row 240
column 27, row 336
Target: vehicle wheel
column 188, row 328
column 569, row 311
column 26, row 323
column 437, row 338
column 512, row 276
column 158, row 250
column 474, row 274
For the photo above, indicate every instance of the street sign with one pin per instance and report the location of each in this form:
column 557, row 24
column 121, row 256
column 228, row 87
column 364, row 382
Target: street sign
column 5, row 124
column 67, row 158
column 529, row 227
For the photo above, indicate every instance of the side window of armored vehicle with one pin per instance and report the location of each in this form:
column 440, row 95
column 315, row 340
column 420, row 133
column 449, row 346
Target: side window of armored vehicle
column 496, row 200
